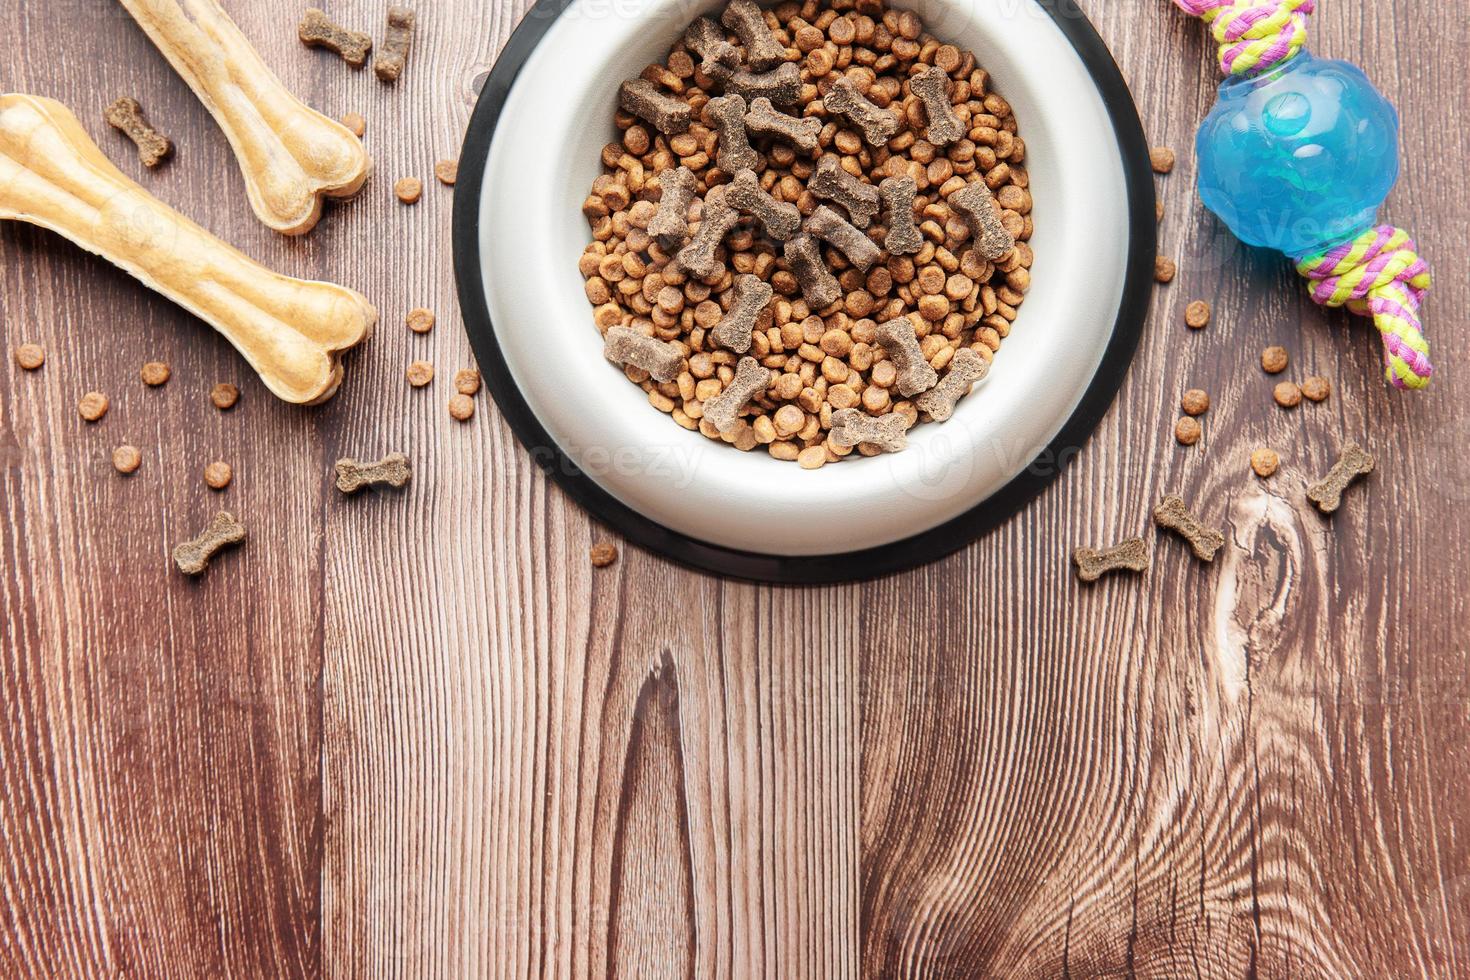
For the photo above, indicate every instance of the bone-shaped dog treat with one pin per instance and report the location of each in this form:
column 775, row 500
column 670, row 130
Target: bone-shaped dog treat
column 127, row 116
column 705, row 39
column 1092, row 563
column 727, row 115
column 1173, row 515
column 764, row 120
column 976, row 207
column 876, row 123
column 670, row 223
column 389, row 63
column 965, row 369
column 291, row 332
column 851, row 426
column 818, row 285
column 833, row 229
column 762, row 50
column 781, row 86
column 291, row 155
column 780, row 219
column 317, row 30
column 1353, row 463
column 914, row 373
column 723, row 410
column 932, row 87
column 749, row 296
column 392, row 470
column 624, row 345
column 663, row 112
column 831, row 183
column 193, row 557
column 715, row 223
column 898, row 194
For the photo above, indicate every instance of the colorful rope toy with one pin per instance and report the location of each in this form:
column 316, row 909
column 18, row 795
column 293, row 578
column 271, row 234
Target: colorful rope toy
column 1297, row 155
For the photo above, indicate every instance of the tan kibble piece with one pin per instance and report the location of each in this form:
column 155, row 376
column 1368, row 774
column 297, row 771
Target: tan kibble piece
column 812, row 458
column 818, row 286
column 224, row 396
column 833, row 229
column 853, row 427
column 1274, row 360
column 1187, row 431
column 1197, row 315
column 390, row 62
column 660, row 110
column 1264, row 462
column 126, row 116
column 662, row 360
column 192, row 557
column 1164, row 269
column 914, row 373
column 319, row 31
column 155, row 373
column 878, row 125
column 1158, row 210
column 726, row 115
column 1327, row 493
column 461, row 407
column 831, row 183
column 716, row 220
column 467, row 381
column 355, row 122
column 1196, row 401
column 1287, row 394
column 217, row 475
column 723, row 411
column 1316, row 388
column 1162, row 159
column 780, row 219
column 976, row 207
column 762, row 119
column 420, row 320
column 420, row 373
column 447, row 172
column 897, row 195
column 29, row 357
column 92, row 406
column 392, row 470
column 749, row 296
column 1171, row 514
column 966, row 368
column 670, row 223
column 126, row 459
column 602, row 554
column 762, row 50
column 931, row 86
column 408, row 189
column 1092, row 563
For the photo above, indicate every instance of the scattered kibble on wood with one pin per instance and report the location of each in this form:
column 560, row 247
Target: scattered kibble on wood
column 1264, row 461
column 30, row 356
column 192, row 557
column 355, row 122
column 447, row 171
column 461, row 407
column 1164, row 269
column 603, row 554
column 92, row 406
column 420, row 373
column 1173, row 515
column 1327, row 493
column 1287, row 394
column 1093, row 563
column 224, row 396
column 392, row 470
column 1197, row 315
column 155, row 373
column 1274, row 360
column 1187, row 431
column 420, row 320
column 1161, row 158
column 126, row 459
column 217, row 475
column 467, row 382
column 393, row 56
column 408, row 189
column 317, row 30
column 126, row 116
column 1316, row 388
column 1196, row 401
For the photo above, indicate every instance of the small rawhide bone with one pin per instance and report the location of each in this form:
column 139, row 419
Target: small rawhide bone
column 781, row 86
column 723, row 410
column 292, row 332
column 762, row 50
column 966, row 368
column 392, row 470
column 764, row 120
column 291, row 155
column 914, row 373
column 126, row 115
column 932, row 87
column 780, row 219
column 389, row 63
column 317, row 30
column 624, row 345
column 705, row 39
column 1172, row 514
column 670, row 224
column 819, row 287
column 833, row 229
column 845, row 100
column 832, row 183
column 727, row 115
column 663, row 112
column 976, row 207
column 898, row 195
column 851, row 426
column 749, row 297
column 1091, row 563
column 715, row 221
column 193, row 557
column 1353, row 463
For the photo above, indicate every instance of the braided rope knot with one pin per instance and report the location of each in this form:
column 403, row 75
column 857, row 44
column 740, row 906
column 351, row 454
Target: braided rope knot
column 1380, row 274
column 1253, row 35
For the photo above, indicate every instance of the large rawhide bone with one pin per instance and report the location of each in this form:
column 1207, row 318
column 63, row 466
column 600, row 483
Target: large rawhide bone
column 291, row 331
column 291, row 155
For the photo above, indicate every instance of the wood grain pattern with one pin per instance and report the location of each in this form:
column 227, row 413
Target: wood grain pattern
column 416, row 734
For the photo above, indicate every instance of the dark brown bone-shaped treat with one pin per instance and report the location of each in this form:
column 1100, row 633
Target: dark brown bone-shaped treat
column 127, row 115
column 727, row 115
column 670, row 224
column 664, row 113
column 932, row 87
column 831, row 183
column 705, row 39
column 762, row 50
column 193, row 557
column 898, row 194
column 317, row 31
column 624, row 345
column 748, row 297
column 1092, row 563
column 1174, row 516
column 914, row 373
column 723, row 410
column 715, row 222
column 353, row 474
column 965, row 369
column 876, row 123
column 745, row 194
column 391, row 59
column 818, row 285
column 781, row 85
column 1353, row 463
column 831, row 228
column 976, row 207
column 764, row 120
column 851, row 427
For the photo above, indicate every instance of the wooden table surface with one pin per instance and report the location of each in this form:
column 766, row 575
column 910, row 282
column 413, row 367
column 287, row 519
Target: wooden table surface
column 417, row 734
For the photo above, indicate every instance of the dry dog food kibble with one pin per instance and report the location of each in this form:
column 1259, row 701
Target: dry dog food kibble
column 1196, row 401
column 1287, row 394
column 392, row 470
column 897, row 195
column 318, row 31
column 1273, row 360
column 830, row 227
column 915, row 374
column 966, row 368
column 831, row 183
column 192, row 557
column 467, row 382
column 1316, row 388
column 408, row 189
column 727, row 115
column 1264, row 461
column 1171, row 514
column 663, row 112
column 391, row 60
column 356, row 123
column 602, row 554
column 1092, row 563
column 420, row 373
column 29, row 357
column 447, row 172
column 420, row 320
column 670, row 222
column 977, row 207
column 1162, row 159
column 155, row 373
column 126, row 459
column 1164, row 269
column 92, row 406
column 126, row 116
column 461, row 407
column 1187, row 431
column 224, row 396
column 723, row 410
column 661, row 359
column 217, row 475
column 1197, row 315
column 748, row 299
column 779, row 219
column 851, row 427
column 762, row 50
column 762, row 119
column 932, row 87
column 878, row 125
column 1327, row 493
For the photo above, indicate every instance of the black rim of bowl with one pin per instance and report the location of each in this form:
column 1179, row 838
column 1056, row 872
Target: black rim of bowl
column 919, row 549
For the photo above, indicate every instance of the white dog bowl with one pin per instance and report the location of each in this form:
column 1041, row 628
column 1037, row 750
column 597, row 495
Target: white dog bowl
column 531, row 153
